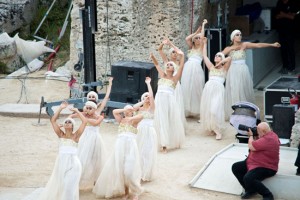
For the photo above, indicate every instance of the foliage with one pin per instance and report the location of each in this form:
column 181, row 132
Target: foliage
column 2, row 68
column 51, row 27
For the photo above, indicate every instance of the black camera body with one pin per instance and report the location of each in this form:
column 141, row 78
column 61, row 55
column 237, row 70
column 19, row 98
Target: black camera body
column 246, row 128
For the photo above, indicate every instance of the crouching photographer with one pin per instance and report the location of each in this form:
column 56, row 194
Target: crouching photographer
column 261, row 163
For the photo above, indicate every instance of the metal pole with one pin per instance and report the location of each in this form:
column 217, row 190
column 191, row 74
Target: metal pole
column 62, row 32
column 44, row 17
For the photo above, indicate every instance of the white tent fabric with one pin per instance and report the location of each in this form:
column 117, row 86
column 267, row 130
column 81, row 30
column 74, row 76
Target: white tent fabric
column 30, row 50
column 31, row 67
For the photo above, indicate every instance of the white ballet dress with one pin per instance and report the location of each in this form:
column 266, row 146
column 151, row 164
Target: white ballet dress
column 239, row 84
column 92, row 155
column 122, row 168
column 192, row 82
column 147, row 144
column 212, row 103
column 167, row 120
column 180, row 102
column 64, row 181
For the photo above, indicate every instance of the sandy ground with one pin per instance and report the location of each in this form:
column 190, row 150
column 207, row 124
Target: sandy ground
column 28, row 151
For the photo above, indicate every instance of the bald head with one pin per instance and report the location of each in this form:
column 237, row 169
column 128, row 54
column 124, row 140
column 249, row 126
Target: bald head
column 263, row 128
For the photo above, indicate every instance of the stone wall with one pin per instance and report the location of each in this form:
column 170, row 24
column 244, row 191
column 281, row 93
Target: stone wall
column 136, row 28
column 15, row 14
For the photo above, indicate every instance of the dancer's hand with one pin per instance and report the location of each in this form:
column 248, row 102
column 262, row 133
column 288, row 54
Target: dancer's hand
column 110, row 80
column 166, row 41
column 276, row 44
column 74, row 109
column 179, row 52
column 148, row 80
column 64, row 104
column 204, row 22
column 151, row 56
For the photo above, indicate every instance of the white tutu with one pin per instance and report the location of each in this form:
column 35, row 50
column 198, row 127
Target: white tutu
column 167, row 120
column 212, row 106
column 192, row 82
column 122, row 169
column 180, row 102
column 239, row 85
column 64, row 181
column 92, row 155
column 147, row 144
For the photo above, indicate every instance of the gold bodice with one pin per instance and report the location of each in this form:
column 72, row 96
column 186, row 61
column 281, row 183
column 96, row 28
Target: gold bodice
column 194, row 52
column 166, row 82
column 217, row 72
column 146, row 114
column 127, row 128
column 238, row 54
column 68, row 142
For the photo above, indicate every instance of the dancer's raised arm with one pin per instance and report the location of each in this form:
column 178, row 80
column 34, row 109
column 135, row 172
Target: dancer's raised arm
column 82, row 125
column 250, row 45
column 53, row 119
column 207, row 62
column 160, row 51
column 151, row 96
column 200, row 30
column 155, row 62
column 118, row 114
column 106, row 98
column 177, row 76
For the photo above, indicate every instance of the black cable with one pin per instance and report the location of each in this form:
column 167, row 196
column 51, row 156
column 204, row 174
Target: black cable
column 108, row 45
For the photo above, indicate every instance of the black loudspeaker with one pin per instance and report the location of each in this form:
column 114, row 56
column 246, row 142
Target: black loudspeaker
column 283, row 120
column 129, row 80
column 216, row 42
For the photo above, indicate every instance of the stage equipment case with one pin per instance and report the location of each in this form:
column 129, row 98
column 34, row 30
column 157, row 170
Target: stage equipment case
column 277, row 93
column 216, row 43
column 129, row 80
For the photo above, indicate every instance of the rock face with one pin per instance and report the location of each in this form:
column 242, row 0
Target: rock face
column 15, row 14
column 131, row 29
column 295, row 136
column 8, row 53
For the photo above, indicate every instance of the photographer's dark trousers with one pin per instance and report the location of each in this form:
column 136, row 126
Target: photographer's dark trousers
column 251, row 180
column 287, row 41
column 297, row 162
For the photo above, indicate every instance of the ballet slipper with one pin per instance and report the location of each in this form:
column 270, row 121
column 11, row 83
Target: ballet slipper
column 164, row 150
column 218, row 136
column 125, row 197
column 209, row 132
column 136, row 197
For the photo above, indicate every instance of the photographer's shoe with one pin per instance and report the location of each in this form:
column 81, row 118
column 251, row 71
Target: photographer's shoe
column 298, row 171
column 268, row 197
column 247, row 195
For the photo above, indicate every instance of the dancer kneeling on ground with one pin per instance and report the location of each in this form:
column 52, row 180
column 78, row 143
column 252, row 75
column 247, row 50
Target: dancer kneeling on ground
column 146, row 137
column 261, row 163
column 212, row 102
column 167, row 121
column 64, row 181
column 122, row 172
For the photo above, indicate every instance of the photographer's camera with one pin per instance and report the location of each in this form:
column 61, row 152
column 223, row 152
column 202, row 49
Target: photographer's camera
column 246, row 128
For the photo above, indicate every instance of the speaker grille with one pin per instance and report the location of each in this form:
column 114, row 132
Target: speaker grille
column 283, row 120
